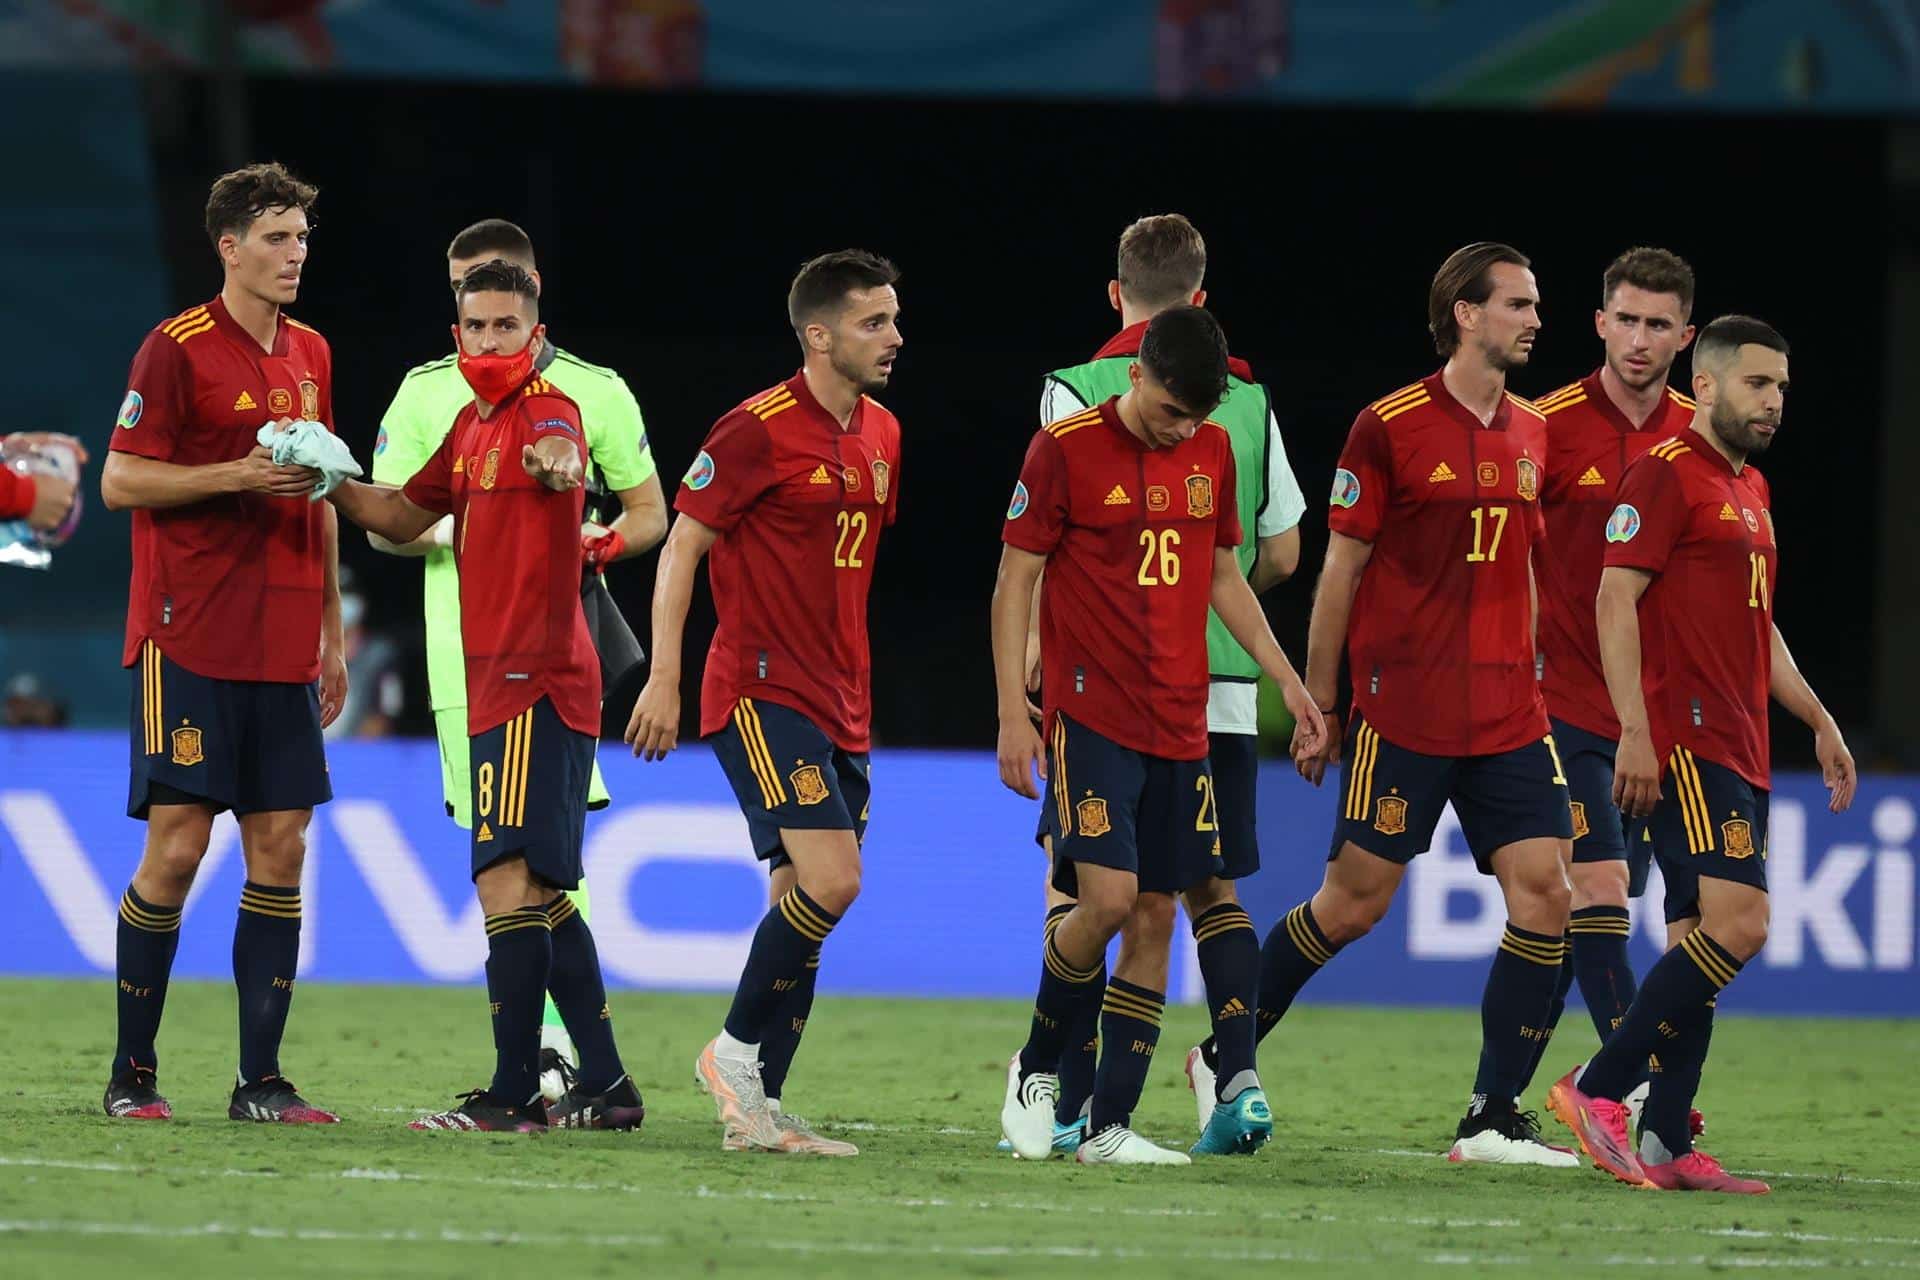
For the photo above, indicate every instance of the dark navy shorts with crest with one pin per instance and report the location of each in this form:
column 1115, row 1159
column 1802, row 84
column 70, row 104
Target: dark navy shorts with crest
column 1391, row 798
column 1601, row 833
column 1710, row 823
column 786, row 772
column 1113, row 806
column 252, row 746
column 530, row 779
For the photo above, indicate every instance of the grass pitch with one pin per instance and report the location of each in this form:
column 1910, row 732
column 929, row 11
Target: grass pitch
column 1353, row 1184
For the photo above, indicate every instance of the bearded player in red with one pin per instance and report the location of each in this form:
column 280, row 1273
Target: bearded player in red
column 1428, row 590
column 1130, row 509
column 1692, row 655
column 788, row 493
column 1596, row 427
column 233, row 619
column 509, row 472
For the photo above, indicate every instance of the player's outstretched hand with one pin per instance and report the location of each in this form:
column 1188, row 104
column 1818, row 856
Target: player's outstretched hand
column 1021, row 757
column 559, row 469
column 1836, row 766
column 257, row 473
column 654, row 728
column 333, row 685
column 1636, row 775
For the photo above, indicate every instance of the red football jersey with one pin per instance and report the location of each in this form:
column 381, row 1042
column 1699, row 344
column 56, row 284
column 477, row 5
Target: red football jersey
column 517, row 543
column 1706, row 620
column 1589, row 444
column 230, row 587
column 1440, row 646
column 1129, row 533
column 799, row 503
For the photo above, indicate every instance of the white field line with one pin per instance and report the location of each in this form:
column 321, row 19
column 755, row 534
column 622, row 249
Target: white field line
column 1045, row 1208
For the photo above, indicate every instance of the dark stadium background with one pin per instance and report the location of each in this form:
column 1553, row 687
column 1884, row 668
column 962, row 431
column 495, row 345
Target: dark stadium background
column 668, row 227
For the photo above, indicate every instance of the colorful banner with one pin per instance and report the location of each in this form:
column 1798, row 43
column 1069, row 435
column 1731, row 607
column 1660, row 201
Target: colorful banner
column 1770, row 55
column 951, row 901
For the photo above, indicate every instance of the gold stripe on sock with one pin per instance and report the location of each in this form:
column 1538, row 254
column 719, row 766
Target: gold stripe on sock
column 1129, row 1005
column 1702, row 953
column 1304, row 941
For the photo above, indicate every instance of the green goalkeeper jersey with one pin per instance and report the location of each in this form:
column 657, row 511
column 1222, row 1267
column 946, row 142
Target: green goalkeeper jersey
column 422, row 412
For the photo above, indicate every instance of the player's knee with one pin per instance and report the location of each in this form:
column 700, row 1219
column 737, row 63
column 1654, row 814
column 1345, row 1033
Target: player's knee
column 834, row 888
column 1108, row 905
column 170, row 865
column 1344, row 917
column 1599, row 884
column 1150, row 923
column 277, row 857
column 1743, row 932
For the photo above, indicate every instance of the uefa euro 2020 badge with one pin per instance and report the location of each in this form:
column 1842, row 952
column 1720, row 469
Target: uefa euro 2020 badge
column 1623, row 523
column 1346, row 488
column 1018, row 507
column 700, row 474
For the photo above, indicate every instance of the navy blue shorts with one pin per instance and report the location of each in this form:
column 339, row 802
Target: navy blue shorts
column 1235, row 761
column 1113, row 806
column 530, row 778
column 1711, row 823
column 1391, row 798
column 1601, row 833
column 786, row 772
column 246, row 745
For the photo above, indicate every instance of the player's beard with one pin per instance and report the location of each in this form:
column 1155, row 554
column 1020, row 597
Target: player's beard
column 1505, row 359
column 867, row 381
column 1736, row 430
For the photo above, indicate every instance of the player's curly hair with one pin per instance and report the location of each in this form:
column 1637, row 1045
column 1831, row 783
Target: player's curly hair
column 1162, row 260
column 497, row 275
column 239, row 197
column 1655, row 270
column 823, row 284
column 1466, row 276
column 1185, row 350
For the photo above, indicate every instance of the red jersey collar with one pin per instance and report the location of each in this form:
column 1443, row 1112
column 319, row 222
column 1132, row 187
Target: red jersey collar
column 1444, row 401
column 1127, row 343
column 810, row 404
column 222, row 318
column 1603, row 403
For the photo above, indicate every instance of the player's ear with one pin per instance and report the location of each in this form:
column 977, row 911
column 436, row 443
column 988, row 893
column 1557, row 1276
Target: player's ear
column 1686, row 338
column 819, row 338
column 1600, row 323
column 229, row 249
column 1113, row 294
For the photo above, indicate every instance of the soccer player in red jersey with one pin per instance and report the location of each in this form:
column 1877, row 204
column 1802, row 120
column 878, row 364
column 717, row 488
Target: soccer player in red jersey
column 1130, row 509
column 509, row 472
column 1428, row 587
column 1691, row 653
column 788, row 493
column 233, row 618
column 1595, row 428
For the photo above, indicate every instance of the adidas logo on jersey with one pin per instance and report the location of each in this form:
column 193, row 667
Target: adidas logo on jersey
column 1118, row 497
column 486, row 834
column 1728, row 513
column 1592, row 476
column 820, row 475
column 1233, row 1008
column 244, row 402
column 1440, row 473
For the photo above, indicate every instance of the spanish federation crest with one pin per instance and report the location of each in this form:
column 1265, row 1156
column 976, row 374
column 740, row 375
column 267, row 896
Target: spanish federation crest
column 809, row 787
column 490, row 469
column 310, row 400
column 1090, row 817
column 1527, row 479
column 186, row 746
column 1737, row 838
column 1200, row 497
column 1580, row 827
column 1390, row 815
column 882, row 479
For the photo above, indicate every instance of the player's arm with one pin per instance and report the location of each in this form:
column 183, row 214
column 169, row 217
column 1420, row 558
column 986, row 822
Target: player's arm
column 1791, row 690
column 654, row 727
column 378, row 509
column 1636, row 769
column 1014, row 591
column 333, row 643
column 406, row 442
column 638, row 528
column 1332, row 613
column 439, row 534
column 131, row 482
column 1239, row 609
column 1277, row 526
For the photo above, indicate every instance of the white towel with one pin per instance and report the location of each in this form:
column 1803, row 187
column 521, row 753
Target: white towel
column 309, row 444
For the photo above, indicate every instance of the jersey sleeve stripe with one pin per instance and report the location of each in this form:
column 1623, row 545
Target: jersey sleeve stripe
column 183, row 320
column 1069, row 423
column 1567, row 403
column 1560, row 394
column 1384, row 401
column 1390, row 414
column 297, row 325
column 1683, row 400
column 1526, row 406
column 777, row 394
column 194, row 330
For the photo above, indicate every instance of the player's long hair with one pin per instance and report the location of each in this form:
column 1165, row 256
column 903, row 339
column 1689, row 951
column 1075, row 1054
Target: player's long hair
column 1466, row 276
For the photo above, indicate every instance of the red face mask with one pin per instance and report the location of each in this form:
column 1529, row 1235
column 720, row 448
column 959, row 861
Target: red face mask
column 495, row 377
